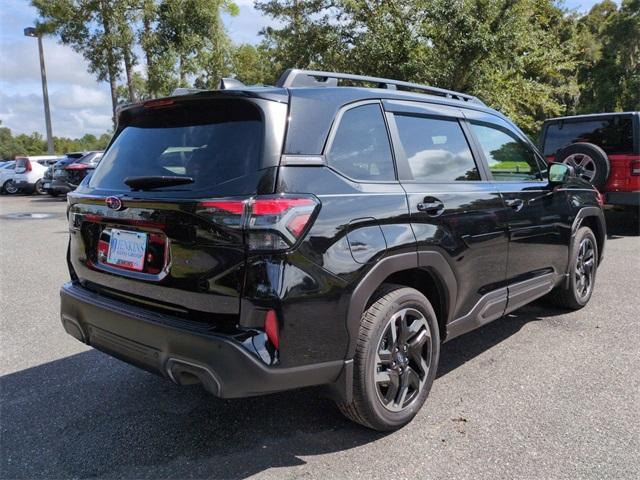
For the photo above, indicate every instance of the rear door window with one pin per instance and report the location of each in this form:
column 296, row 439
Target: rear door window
column 360, row 149
column 217, row 143
column 509, row 158
column 436, row 149
column 613, row 135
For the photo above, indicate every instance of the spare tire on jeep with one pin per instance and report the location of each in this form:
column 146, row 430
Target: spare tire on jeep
column 589, row 161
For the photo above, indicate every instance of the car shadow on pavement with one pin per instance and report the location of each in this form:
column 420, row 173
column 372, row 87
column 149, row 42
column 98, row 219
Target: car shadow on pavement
column 460, row 350
column 88, row 415
column 621, row 224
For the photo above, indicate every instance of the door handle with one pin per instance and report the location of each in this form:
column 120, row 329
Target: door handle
column 515, row 203
column 433, row 208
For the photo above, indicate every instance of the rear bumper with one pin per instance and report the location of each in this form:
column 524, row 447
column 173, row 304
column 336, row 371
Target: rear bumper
column 24, row 185
column 631, row 199
column 159, row 343
column 62, row 187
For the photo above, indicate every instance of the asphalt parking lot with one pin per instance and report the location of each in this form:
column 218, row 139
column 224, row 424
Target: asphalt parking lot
column 540, row 394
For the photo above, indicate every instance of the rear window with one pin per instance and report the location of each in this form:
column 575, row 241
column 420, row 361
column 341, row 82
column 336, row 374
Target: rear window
column 216, row 142
column 90, row 158
column 613, row 135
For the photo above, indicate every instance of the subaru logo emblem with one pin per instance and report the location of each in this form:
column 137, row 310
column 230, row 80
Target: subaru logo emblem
column 114, row 203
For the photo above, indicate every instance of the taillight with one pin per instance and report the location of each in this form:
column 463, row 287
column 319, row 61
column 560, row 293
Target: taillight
column 270, row 222
column 635, row 167
column 23, row 165
column 76, row 166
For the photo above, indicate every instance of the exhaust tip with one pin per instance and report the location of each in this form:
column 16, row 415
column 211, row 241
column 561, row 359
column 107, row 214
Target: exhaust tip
column 73, row 328
column 183, row 372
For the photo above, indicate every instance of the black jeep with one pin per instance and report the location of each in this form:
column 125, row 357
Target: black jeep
column 261, row 239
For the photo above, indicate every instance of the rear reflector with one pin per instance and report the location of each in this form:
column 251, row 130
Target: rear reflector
column 271, row 328
column 271, row 222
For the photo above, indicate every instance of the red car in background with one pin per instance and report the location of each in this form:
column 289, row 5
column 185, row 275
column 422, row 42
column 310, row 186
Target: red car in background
column 603, row 148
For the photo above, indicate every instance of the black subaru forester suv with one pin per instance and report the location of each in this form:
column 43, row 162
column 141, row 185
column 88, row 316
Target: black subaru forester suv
column 255, row 240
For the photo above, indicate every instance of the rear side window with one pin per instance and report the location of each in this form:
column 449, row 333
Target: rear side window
column 217, row 142
column 509, row 158
column 360, row 148
column 436, row 149
column 613, row 135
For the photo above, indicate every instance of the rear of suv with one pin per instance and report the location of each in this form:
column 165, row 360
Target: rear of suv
column 67, row 174
column 255, row 240
column 603, row 148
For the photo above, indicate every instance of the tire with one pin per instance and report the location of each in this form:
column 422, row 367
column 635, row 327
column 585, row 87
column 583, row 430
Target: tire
column 589, row 161
column 38, row 188
column 574, row 296
column 9, row 187
column 392, row 379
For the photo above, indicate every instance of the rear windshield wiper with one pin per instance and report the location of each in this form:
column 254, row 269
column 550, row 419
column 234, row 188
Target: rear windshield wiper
column 151, row 182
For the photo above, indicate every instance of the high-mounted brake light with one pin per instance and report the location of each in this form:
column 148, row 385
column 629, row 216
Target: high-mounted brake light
column 76, row 166
column 270, row 222
column 158, row 103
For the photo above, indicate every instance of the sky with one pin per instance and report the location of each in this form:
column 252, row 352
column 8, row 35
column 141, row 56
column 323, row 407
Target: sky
column 79, row 104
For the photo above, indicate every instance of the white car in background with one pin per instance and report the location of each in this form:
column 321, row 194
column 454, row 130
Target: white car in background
column 7, row 172
column 29, row 172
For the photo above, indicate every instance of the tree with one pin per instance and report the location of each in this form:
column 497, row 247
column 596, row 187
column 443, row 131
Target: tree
column 22, row 144
column 191, row 31
column 251, row 65
column 517, row 55
column 92, row 28
column 610, row 72
column 306, row 37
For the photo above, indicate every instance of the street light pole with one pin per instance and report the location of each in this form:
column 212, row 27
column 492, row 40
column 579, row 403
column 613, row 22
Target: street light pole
column 31, row 32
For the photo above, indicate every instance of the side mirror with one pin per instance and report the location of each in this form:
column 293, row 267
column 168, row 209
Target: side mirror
column 559, row 173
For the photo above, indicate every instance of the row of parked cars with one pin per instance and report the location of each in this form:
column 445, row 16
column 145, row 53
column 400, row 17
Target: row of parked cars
column 44, row 174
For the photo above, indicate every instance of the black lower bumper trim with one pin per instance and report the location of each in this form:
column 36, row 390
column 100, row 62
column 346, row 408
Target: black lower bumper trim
column 147, row 339
column 631, row 199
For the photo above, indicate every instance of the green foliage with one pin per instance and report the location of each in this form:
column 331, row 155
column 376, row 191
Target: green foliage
column 610, row 71
column 35, row 144
column 530, row 59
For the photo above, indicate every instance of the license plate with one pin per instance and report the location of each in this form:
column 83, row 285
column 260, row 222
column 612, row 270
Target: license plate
column 127, row 249
column 46, row 185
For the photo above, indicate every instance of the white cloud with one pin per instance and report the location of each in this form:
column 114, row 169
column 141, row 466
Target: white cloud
column 79, row 104
column 20, row 64
column 23, row 113
column 79, row 97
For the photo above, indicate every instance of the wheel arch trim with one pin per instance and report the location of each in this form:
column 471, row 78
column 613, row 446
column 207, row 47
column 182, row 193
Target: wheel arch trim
column 432, row 261
column 600, row 233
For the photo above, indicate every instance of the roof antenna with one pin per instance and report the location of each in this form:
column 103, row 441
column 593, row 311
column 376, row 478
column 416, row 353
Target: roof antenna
column 230, row 83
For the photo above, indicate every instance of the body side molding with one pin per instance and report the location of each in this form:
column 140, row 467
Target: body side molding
column 489, row 307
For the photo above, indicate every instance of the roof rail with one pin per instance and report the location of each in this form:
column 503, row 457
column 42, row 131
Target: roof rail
column 294, row 77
